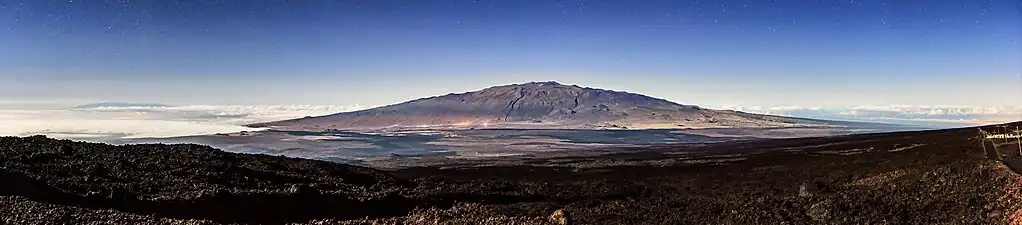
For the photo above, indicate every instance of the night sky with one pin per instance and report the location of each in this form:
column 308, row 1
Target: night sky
column 372, row 52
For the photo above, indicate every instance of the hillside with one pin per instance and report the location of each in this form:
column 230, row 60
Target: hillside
column 923, row 177
column 540, row 105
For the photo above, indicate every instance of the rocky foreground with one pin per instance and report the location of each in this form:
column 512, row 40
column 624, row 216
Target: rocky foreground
column 925, row 177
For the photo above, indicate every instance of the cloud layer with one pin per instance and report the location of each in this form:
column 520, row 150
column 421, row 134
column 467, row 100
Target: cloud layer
column 937, row 115
column 151, row 122
column 97, row 123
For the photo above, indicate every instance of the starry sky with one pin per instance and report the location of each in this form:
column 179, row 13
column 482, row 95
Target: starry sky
column 826, row 53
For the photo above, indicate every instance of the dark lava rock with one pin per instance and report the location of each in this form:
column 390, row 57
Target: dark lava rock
column 559, row 217
column 946, row 178
column 820, row 211
column 194, row 182
column 806, row 190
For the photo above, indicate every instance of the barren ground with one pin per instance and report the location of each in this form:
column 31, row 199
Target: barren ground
column 925, row 177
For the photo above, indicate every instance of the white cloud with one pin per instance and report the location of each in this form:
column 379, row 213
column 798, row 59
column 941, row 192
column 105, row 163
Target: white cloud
column 151, row 122
column 155, row 122
column 937, row 110
column 228, row 114
column 798, row 111
column 933, row 114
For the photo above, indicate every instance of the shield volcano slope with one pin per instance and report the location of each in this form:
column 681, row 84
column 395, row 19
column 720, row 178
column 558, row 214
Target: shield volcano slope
column 540, row 105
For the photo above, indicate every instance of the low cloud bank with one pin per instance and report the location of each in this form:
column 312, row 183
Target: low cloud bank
column 936, row 116
column 151, row 121
column 157, row 121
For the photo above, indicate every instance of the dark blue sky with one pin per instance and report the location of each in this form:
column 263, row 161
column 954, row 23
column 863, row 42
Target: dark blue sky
column 755, row 52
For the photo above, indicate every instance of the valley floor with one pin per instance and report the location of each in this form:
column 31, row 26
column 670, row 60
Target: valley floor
column 920, row 177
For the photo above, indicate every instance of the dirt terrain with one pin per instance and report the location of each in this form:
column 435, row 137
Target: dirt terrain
column 923, row 177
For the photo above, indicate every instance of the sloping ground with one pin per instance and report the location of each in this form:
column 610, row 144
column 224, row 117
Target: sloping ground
column 929, row 177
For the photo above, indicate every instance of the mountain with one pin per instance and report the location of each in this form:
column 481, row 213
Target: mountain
column 540, row 105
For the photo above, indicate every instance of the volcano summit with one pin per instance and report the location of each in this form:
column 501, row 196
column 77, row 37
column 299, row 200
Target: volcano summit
column 543, row 105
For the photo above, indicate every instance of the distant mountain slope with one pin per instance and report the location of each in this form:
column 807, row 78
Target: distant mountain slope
column 540, row 105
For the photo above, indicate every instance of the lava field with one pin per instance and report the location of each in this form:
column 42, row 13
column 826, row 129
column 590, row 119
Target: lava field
column 919, row 177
